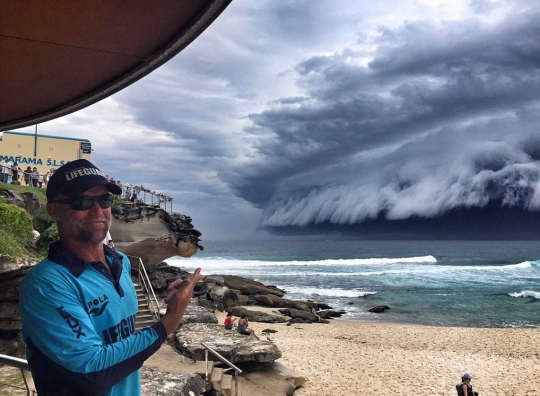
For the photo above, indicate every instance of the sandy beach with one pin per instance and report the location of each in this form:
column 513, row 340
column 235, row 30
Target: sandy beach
column 352, row 358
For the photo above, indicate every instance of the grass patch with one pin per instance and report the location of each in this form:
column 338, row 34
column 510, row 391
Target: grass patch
column 39, row 191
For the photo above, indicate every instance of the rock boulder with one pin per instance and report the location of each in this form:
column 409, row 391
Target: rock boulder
column 223, row 297
column 198, row 314
column 257, row 316
column 379, row 309
column 230, row 344
column 156, row 383
column 270, row 300
column 250, row 287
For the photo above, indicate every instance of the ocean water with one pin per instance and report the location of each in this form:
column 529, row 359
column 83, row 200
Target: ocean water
column 439, row 283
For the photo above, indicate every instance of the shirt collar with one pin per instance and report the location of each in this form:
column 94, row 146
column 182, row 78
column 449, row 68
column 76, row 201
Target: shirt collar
column 74, row 263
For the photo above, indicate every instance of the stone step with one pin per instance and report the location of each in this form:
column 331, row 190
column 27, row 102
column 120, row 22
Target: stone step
column 226, row 384
column 200, row 368
column 215, row 378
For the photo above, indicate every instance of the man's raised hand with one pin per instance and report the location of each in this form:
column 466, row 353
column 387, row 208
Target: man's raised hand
column 178, row 297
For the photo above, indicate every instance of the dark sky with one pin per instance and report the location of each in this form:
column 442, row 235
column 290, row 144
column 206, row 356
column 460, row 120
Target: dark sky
column 293, row 113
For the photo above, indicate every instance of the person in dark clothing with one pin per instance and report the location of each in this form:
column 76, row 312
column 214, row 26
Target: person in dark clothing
column 15, row 173
column 27, row 176
column 465, row 388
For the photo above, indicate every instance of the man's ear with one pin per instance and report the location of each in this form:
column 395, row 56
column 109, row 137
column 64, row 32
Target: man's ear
column 52, row 211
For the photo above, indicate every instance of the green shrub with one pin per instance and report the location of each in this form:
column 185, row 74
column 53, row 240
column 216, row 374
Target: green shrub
column 16, row 227
column 49, row 236
column 116, row 207
column 41, row 220
column 10, row 246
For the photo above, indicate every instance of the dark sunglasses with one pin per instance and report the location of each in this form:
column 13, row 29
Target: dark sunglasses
column 84, row 202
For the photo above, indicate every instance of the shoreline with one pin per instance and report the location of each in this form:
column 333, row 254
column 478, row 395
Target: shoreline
column 353, row 358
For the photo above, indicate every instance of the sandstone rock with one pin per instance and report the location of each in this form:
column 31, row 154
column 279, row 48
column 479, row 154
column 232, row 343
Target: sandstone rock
column 233, row 346
column 201, row 289
column 269, row 300
column 299, row 320
column 379, row 308
column 295, row 383
column 8, row 264
column 10, row 321
column 257, row 316
column 155, row 383
column 249, row 286
column 197, row 314
column 328, row 313
column 26, row 200
column 223, row 297
column 151, row 233
column 162, row 275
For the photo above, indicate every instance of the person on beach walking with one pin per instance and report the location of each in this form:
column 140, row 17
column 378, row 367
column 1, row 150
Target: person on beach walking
column 78, row 306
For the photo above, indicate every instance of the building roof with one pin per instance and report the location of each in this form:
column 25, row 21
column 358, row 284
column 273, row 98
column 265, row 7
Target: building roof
column 61, row 56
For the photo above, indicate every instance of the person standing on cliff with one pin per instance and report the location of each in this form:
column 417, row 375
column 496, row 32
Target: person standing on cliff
column 78, row 306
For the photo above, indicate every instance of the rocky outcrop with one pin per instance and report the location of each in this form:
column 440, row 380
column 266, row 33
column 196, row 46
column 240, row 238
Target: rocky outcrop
column 300, row 316
column 153, row 234
column 223, row 297
column 12, row 271
column 230, row 344
column 250, row 287
column 270, row 300
column 257, row 316
column 157, row 383
column 26, row 200
column 330, row 313
column 198, row 314
column 161, row 275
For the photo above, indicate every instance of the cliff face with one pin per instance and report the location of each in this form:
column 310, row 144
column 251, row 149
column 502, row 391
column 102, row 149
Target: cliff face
column 153, row 234
column 12, row 271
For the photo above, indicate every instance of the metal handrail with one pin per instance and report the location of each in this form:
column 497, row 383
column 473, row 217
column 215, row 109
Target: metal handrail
column 224, row 360
column 22, row 365
column 144, row 280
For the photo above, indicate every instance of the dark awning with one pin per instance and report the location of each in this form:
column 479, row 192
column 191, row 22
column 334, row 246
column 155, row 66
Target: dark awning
column 60, row 56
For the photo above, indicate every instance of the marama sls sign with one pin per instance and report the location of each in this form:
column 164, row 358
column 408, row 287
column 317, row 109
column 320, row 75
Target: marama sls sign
column 42, row 151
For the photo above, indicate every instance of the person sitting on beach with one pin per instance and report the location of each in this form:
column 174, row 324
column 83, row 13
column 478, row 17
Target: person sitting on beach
column 229, row 321
column 465, row 388
column 243, row 326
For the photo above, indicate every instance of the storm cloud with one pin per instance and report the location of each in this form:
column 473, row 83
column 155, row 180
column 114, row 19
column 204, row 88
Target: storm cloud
column 444, row 116
column 300, row 116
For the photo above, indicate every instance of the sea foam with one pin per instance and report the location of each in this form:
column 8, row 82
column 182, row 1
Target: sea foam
column 525, row 293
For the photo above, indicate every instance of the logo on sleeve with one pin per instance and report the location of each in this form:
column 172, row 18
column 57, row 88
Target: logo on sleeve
column 72, row 322
column 97, row 305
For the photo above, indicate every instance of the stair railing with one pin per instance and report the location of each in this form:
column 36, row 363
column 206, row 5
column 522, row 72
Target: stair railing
column 224, row 360
column 22, row 365
column 144, row 281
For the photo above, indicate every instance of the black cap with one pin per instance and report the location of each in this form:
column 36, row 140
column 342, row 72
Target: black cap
column 76, row 177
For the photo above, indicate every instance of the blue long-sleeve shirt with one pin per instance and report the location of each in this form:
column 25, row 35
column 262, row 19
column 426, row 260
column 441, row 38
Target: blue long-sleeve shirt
column 78, row 324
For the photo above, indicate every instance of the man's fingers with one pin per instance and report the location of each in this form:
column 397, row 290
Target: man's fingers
column 183, row 284
column 195, row 277
column 179, row 282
